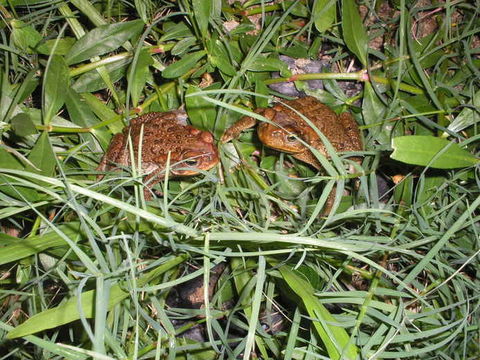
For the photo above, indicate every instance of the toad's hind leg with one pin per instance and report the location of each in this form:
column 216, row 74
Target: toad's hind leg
column 111, row 155
column 352, row 131
column 327, row 208
column 151, row 180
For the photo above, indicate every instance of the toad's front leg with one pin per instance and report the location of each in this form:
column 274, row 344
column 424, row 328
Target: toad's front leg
column 244, row 123
column 234, row 131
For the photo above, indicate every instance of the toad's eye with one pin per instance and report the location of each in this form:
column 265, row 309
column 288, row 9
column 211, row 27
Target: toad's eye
column 191, row 162
column 291, row 138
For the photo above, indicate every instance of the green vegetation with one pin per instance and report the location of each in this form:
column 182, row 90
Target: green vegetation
column 87, row 266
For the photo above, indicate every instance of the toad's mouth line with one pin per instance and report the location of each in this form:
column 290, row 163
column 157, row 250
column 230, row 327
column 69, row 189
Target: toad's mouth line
column 289, row 152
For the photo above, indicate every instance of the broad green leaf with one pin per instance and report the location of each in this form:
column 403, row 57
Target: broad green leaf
column 314, row 48
column 353, row 31
column 297, row 50
column 22, row 125
column 324, row 14
column 68, row 311
column 468, row 116
column 202, row 10
column 222, row 64
column 462, row 73
column 416, row 103
column 181, row 66
column 27, row 38
column 420, row 150
column 202, row 113
column 22, row 248
column 373, row 108
column 138, row 78
column 103, row 39
column 219, row 57
column 56, row 79
column 335, row 338
column 62, row 46
column 311, row 275
column 261, row 88
column 16, row 190
column 267, row 64
column 373, row 111
column 42, row 157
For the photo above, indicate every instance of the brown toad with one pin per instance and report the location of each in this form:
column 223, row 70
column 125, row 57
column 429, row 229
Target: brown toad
column 287, row 127
column 288, row 132
column 190, row 149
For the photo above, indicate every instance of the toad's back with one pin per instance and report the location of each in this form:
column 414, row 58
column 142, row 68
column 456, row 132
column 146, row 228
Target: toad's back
column 162, row 133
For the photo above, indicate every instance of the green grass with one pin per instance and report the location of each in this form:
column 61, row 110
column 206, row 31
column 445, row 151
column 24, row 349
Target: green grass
column 87, row 265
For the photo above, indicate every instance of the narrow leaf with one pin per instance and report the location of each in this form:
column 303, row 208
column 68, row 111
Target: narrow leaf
column 403, row 192
column 373, row 109
column 56, row 78
column 202, row 10
column 103, row 39
column 142, row 9
column 103, row 112
column 92, row 81
column 468, row 116
column 181, row 66
column 14, row 161
column 335, row 338
column 82, row 115
column 22, row 248
column 353, row 31
column 175, row 31
column 421, row 150
column 138, row 77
